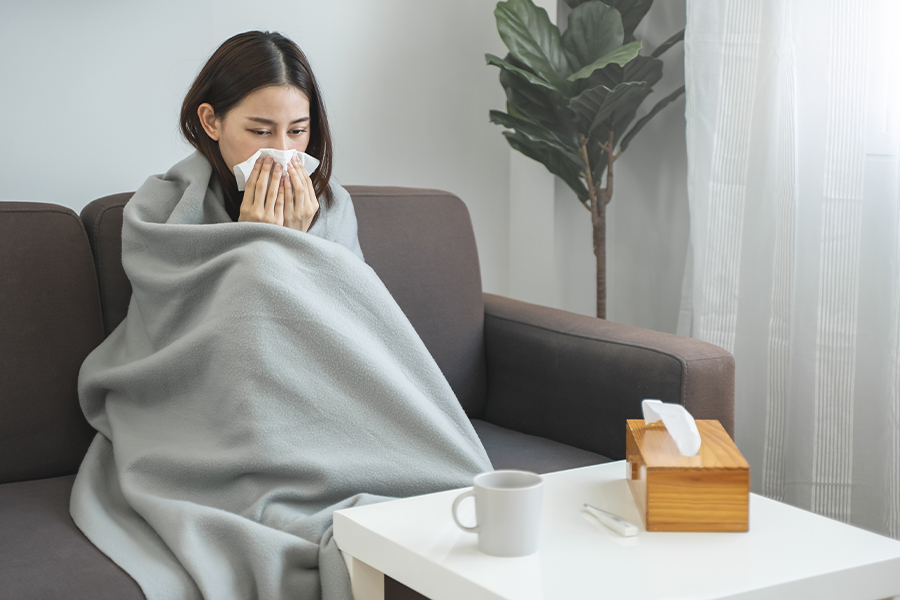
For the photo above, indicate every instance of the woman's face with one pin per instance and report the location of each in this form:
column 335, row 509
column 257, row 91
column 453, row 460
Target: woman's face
column 270, row 117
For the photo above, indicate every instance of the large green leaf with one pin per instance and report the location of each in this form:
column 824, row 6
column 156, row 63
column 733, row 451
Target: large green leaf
column 551, row 158
column 640, row 68
column 536, row 105
column 632, row 12
column 534, row 40
column 535, row 132
column 646, row 119
column 596, row 105
column 619, row 56
column 594, row 31
column 605, row 82
column 524, row 74
column 644, row 68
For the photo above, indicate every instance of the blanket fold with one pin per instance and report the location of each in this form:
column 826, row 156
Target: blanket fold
column 262, row 378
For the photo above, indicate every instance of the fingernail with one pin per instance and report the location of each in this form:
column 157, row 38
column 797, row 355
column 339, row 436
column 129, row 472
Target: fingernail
column 277, row 167
column 270, row 160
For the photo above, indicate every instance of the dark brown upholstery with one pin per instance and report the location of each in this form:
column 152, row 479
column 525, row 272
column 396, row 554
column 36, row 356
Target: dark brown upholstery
column 510, row 449
column 421, row 244
column 103, row 224
column 51, row 321
column 44, row 556
column 576, row 379
column 394, row 590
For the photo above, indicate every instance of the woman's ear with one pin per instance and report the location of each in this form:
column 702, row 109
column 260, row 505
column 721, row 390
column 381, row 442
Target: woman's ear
column 208, row 120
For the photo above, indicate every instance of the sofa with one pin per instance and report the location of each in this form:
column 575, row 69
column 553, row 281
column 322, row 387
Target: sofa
column 545, row 389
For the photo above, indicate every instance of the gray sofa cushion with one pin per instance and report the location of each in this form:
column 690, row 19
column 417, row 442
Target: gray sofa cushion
column 45, row 556
column 103, row 224
column 51, row 321
column 510, row 449
column 421, row 244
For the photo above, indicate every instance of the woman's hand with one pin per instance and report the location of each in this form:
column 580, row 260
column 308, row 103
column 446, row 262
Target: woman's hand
column 300, row 202
column 263, row 203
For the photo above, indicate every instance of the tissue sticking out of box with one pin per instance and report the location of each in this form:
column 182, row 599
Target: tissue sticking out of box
column 678, row 421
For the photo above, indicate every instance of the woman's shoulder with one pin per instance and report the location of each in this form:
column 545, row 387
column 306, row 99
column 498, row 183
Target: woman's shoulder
column 340, row 223
column 337, row 190
column 159, row 196
column 341, row 202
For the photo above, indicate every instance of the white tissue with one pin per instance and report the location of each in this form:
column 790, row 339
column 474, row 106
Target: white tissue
column 678, row 422
column 282, row 157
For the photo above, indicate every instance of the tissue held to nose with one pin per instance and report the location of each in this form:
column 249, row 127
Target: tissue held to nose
column 281, row 157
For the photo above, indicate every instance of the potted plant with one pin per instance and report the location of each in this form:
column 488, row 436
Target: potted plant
column 572, row 97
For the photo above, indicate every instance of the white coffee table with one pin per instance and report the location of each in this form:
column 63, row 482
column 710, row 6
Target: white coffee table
column 788, row 553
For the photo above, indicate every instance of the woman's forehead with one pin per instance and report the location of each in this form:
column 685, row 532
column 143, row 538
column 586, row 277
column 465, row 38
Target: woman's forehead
column 275, row 102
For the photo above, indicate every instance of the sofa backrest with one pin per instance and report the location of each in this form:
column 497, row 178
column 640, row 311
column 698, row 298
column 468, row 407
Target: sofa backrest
column 421, row 244
column 51, row 321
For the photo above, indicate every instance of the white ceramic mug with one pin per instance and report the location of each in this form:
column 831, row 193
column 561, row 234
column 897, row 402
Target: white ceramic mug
column 507, row 512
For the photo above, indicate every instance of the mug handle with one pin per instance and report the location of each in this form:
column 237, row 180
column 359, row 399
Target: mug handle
column 456, row 502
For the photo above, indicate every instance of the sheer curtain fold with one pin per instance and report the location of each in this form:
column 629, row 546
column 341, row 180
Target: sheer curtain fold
column 793, row 140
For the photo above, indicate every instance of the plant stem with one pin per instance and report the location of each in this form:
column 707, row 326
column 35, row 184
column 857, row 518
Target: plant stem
column 598, row 220
column 607, row 192
column 587, row 170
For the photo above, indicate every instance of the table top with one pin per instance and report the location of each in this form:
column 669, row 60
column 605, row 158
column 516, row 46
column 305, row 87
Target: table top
column 788, row 553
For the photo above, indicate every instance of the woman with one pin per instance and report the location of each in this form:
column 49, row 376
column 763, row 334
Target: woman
column 258, row 91
column 263, row 376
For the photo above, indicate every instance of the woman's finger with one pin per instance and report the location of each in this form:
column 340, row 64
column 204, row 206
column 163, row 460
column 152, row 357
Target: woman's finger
column 250, row 184
column 288, row 196
column 296, row 177
column 311, row 202
column 279, row 202
column 247, row 208
column 292, row 209
column 262, row 183
column 310, row 192
column 252, row 178
column 272, row 192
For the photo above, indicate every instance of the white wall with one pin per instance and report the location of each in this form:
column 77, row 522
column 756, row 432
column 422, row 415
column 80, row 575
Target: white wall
column 91, row 92
column 92, row 89
column 648, row 226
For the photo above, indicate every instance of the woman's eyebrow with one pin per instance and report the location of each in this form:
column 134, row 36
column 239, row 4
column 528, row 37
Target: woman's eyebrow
column 270, row 122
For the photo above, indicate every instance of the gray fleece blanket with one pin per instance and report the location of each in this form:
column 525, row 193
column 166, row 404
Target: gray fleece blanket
column 262, row 378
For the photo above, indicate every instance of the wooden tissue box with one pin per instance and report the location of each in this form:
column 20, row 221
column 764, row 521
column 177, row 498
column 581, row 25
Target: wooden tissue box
column 707, row 492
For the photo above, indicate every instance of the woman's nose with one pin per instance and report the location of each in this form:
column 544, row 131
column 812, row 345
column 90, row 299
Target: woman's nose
column 283, row 142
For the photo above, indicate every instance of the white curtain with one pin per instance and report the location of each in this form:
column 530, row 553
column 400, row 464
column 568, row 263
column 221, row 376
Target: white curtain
column 793, row 141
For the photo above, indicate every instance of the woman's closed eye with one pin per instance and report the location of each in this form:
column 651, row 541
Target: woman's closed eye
column 292, row 132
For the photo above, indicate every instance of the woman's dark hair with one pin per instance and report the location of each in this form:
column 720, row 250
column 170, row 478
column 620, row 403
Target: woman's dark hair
column 245, row 63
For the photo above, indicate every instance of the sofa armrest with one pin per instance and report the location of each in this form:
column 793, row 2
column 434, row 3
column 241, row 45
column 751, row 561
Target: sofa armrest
column 576, row 379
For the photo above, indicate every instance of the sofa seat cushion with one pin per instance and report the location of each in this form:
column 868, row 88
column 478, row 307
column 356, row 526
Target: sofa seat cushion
column 510, row 449
column 43, row 555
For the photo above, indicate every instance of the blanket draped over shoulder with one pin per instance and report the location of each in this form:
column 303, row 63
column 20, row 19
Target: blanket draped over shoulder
column 262, row 378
